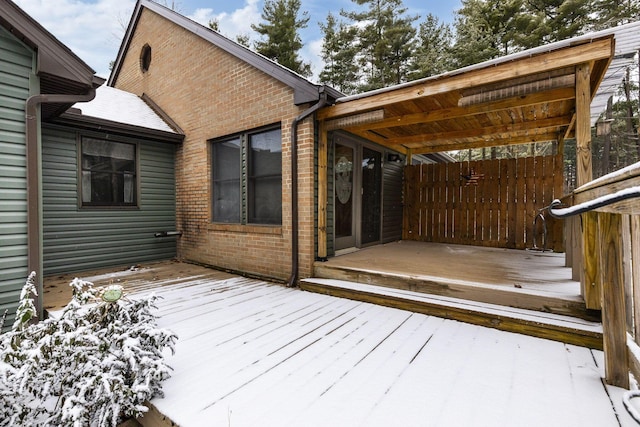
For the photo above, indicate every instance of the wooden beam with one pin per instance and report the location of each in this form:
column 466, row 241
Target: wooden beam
column 614, row 330
column 492, row 142
column 506, row 321
column 453, row 113
column 356, row 120
column 511, row 89
column 590, row 51
column 622, row 179
column 373, row 137
column 609, row 184
column 486, row 132
column 635, row 273
column 576, row 251
column 597, row 72
column 589, row 279
column 323, row 156
column 583, row 124
column 625, row 237
column 570, row 128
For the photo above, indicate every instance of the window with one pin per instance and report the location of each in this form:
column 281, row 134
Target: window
column 265, row 177
column 145, row 58
column 108, row 173
column 226, row 181
column 247, row 178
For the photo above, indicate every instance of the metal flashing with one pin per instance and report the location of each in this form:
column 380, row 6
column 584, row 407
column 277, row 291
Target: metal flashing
column 160, row 112
column 78, row 121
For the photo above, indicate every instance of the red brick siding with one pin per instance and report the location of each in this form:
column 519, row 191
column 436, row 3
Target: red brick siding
column 210, row 94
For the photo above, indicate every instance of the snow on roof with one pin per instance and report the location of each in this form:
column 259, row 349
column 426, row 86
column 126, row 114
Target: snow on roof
column 122, row 107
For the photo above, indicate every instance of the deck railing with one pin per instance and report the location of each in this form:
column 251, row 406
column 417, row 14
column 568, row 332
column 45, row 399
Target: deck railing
column 609, row 210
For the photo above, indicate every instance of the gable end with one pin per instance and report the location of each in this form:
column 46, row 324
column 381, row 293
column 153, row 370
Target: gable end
column 304, row 91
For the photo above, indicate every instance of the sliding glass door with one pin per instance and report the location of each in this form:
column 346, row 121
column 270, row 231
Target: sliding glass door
column 357, row 194
column 345, row 225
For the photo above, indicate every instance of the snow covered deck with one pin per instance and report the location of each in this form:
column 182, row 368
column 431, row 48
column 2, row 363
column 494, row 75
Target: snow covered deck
column 256, row 353
column 529, row 280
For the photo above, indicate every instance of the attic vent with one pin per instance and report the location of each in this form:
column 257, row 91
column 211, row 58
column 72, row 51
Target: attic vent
column 145, row 58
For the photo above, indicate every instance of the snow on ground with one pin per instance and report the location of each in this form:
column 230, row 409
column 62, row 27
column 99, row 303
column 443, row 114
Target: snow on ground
column 252, row 353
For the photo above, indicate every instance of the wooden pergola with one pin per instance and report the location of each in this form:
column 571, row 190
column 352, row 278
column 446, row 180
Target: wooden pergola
column 539, row 95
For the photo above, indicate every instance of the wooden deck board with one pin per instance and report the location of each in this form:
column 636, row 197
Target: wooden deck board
column 255, row 353
column 542, row 272
column 535, row 323
column 514, row 278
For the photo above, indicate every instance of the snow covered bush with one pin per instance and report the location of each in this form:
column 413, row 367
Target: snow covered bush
column 94, row 365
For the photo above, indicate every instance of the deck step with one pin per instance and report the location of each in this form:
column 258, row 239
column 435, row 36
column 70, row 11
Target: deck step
column 544, row 301
column 571, row 330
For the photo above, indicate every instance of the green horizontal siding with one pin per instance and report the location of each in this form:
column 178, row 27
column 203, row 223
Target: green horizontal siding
column 77, row 239
column 16, row 65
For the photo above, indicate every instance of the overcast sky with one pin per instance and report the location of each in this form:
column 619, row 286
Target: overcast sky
column 93, row 29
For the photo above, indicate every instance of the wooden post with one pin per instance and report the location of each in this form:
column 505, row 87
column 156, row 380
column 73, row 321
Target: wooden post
column 589, row 278
column 635, row 273
column 576, row 249
column 626, row 269
column 323, row 151
column 589, row 270
column 614, row 328
column 568, row 242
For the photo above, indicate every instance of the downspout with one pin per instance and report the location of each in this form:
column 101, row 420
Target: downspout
column 293, row 279
column 34, row 257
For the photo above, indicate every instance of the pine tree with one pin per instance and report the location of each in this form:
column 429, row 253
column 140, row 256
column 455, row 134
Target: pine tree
column 610, row 13
column 93, row 365
column 339, row 51
column 281, row 41
column 547, row 21
column 433, row 51
column 399, row 43
column 386, row 41
column 214, row 24
column 242, row 39
column 486, row 29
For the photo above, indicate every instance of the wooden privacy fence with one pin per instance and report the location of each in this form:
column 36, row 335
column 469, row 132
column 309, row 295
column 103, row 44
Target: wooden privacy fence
column 484, row 203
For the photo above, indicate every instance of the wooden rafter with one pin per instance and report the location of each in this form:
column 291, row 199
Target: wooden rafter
column 593, row 51
column 532, row 99
column 380, row 140
column 493, row 142
column 515, row 129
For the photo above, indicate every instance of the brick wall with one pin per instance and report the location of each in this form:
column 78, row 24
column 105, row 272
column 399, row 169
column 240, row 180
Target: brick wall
column 209, row 94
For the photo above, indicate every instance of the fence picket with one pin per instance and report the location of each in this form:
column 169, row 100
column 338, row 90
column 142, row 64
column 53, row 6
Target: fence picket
column 484, row 203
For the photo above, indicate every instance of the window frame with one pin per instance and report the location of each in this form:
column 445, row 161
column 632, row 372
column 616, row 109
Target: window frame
column 245, row 180
column 145, row 58
column 80, row 169
column 239, row 210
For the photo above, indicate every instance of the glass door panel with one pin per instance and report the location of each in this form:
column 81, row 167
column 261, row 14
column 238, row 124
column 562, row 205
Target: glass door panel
column 371, row 196
column 344, row 197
